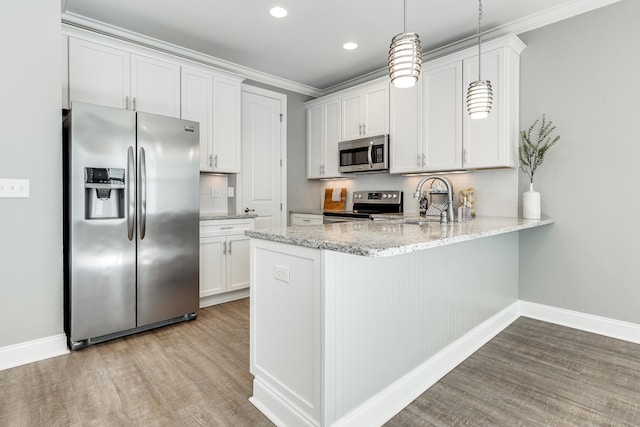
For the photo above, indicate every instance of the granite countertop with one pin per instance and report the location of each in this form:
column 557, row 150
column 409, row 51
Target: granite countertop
column 306, row 211
column 395, row 237
column 206, row 216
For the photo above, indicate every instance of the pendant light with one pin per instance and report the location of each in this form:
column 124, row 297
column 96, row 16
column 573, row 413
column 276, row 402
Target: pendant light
column 405, row 57
column 479, row 94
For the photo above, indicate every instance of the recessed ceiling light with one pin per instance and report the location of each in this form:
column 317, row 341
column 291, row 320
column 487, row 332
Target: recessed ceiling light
column 278, row 12
column 350, row 46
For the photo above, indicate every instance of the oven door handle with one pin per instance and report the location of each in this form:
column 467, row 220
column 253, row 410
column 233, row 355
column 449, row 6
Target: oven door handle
column 369, row 155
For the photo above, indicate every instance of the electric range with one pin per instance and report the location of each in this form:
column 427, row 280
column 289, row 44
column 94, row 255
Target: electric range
column 367, row 204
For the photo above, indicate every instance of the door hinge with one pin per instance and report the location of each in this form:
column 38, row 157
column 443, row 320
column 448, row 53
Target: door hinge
column 281, row 116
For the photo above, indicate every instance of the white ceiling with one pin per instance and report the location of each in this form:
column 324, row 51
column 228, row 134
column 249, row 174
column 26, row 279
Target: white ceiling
column 306, row 46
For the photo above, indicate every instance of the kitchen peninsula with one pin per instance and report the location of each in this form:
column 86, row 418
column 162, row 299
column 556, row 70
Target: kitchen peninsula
column 352, row 321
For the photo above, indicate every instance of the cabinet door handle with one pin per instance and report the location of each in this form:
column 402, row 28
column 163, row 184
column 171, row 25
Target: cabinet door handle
column 224, row 248
column 418, row 161
column 229, row 227
column 424, row 160
column 210, row 160
column 364, row 129
column 215, row 161
column 126, row 102
column 131, row 193
column 142, row 192
column 134, row 104
column 464, row 156
column 229, row 248
column 360, row 129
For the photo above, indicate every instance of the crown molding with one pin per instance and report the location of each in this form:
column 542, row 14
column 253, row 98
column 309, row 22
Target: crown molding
column 82, row 22
column 529, row 23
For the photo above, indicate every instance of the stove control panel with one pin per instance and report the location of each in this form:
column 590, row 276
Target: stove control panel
column 377, row 197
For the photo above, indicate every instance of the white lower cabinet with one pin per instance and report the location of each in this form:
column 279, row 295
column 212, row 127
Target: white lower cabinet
column 224, row 260
column 306, row 219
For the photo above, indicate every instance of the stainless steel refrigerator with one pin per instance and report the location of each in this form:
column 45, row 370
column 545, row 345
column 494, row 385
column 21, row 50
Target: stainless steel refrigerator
column 131, row 211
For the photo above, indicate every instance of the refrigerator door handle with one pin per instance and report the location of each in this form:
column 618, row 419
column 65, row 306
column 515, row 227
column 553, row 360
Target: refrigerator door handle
column 131, row 194
column 142, row 182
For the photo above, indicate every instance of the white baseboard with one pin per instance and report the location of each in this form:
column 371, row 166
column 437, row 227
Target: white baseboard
column 278, row 411
column 32, row 351
column 585, row 322
column 224, row 297
column 384, row 405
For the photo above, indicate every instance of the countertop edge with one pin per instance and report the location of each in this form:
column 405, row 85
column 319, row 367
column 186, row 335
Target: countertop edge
column 363, row 250
column 219, row 217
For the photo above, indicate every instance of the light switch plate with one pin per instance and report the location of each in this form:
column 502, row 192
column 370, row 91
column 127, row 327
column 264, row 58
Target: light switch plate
column 14, row 188
column 230, row 192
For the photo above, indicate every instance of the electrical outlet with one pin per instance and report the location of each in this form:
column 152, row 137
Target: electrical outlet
column 230, row 192
column 281, row 272
column 14, row 188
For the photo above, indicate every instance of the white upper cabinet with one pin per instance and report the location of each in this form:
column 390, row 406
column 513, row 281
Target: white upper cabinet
column 493, row 142
column 316, row 148
column 104, row 75
column 64, row 49
column 227, row 124
column 197, row 105
column 442, row 116
column 98, row 74
column 214, row 101
column 426, row 121
column 365, row 110
column 430, row 128
column 155, row 86
column 323, row 136
column 406, row 153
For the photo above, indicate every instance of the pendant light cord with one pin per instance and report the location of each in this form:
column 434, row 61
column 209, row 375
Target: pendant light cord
column 479, row 40
column 405, row 17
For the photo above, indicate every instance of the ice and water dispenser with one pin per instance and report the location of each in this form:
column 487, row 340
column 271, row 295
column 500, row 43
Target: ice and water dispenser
column 104, row 193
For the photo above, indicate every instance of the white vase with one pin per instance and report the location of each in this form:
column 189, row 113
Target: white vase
column 531, row 203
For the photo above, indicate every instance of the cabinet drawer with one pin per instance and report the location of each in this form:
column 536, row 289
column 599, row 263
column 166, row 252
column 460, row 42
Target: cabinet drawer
column 306, row 219
column 222, row 227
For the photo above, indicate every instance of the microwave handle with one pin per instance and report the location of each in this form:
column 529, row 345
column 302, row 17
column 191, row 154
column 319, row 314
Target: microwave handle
column 369, row 155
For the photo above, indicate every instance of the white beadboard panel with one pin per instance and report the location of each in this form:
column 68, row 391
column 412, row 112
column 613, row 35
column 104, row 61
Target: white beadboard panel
column 386, row 316
column 285, row 327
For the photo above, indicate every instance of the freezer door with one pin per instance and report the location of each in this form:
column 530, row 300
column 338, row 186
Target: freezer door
column 168, row 218
column 101, row 269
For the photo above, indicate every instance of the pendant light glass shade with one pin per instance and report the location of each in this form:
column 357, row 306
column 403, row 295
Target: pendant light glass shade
column 479, row 99
column 405, row 57
column 479, row 94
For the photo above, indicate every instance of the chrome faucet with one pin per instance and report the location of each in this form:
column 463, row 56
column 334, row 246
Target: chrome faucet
column 447, row 182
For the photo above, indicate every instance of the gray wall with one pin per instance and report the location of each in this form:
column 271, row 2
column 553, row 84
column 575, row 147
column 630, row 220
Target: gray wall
column 30, row 148
column 584, row 74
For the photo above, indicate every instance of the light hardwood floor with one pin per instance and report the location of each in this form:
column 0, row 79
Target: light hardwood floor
column 197, row 374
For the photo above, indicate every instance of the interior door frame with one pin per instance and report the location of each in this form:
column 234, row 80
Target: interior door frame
column 283, row 150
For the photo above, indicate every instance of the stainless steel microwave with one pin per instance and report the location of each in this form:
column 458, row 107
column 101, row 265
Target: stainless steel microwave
column 365, row 154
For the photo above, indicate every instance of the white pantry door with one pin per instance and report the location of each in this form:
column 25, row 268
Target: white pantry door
column 263, row 156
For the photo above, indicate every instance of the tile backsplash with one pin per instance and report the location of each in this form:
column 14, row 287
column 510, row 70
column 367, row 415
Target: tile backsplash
column 213, row 193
